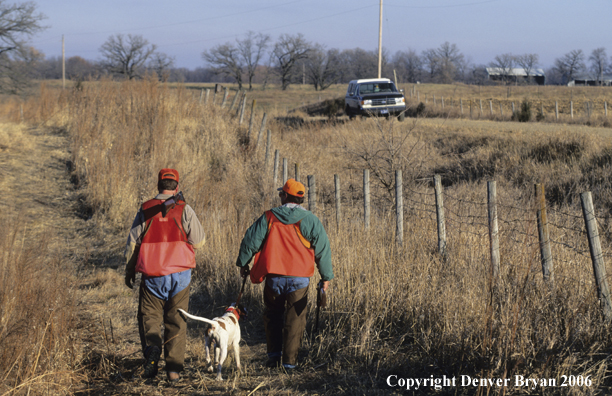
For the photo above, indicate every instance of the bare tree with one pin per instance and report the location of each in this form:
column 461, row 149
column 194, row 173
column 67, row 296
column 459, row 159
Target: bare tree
column 18, row 22
column 528, row 62
column 161, row 64
column 126, row 55
column 505, row 64
column 409, row 65
column 450, row 61
column 360, row 63
column 443, row 63
column 225, row 60
column 599, row 63
column 570, row 64
column 323, row 67
column 287, row 51
column 431, row 62
column 251, row 49
column 18, row 70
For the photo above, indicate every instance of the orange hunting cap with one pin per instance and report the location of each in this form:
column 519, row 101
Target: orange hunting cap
column 293, row 187
column 167, row 173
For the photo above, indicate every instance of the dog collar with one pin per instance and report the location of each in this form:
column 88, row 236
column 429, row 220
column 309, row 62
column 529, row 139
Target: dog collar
column 234, row 311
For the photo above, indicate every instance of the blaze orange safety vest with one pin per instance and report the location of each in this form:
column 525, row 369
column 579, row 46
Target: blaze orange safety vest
column 285, row 251
column 164, row 248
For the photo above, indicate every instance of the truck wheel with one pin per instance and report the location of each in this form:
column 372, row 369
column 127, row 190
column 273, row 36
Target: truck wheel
column 349, row 113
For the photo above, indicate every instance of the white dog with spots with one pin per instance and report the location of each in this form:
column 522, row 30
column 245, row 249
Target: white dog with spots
column 225, row 331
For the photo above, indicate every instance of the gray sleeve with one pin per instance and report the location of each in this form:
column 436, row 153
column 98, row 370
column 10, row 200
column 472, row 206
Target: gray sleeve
column 138, row 226
column 193, row 228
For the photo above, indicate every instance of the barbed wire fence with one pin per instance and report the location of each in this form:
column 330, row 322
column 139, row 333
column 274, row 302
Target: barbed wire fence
column 571, row 238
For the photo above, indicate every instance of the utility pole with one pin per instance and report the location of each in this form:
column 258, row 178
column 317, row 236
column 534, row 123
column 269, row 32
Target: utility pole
column 63, row 64
column 380, row 41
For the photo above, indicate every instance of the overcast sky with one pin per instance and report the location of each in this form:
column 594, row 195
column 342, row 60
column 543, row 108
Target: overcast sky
column 480, row 28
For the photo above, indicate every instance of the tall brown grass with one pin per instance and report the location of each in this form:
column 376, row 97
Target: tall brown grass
column 393, row 310
column 37, row 318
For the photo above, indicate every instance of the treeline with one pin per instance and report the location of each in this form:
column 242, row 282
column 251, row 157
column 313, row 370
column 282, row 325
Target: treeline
column 256, row 59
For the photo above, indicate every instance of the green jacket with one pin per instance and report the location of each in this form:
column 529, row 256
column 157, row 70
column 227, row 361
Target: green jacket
column 310, row 227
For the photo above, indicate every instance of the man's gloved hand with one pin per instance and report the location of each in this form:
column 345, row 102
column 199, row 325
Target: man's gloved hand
column 245, row 271
column 130, row 277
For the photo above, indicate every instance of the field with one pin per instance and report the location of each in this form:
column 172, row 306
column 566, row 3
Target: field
column 85, row 158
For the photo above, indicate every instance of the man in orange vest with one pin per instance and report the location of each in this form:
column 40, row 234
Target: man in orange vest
column 287, row 242
column 161, row 247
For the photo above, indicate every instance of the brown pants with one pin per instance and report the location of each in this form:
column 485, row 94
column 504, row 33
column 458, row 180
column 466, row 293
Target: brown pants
column 152, row 313
column 285, row 335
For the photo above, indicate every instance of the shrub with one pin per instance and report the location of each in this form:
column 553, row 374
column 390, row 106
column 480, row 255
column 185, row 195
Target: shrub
column 524, row 113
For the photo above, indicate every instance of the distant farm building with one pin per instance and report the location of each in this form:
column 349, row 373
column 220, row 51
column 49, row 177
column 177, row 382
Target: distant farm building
column 516, row 75
column 589, row 80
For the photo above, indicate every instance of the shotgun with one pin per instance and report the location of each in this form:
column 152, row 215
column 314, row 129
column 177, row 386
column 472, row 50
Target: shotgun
column 321, row 302
column 171, row 202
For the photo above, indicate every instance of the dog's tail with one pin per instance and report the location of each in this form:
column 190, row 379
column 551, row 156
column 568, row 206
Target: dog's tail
column 211, row 322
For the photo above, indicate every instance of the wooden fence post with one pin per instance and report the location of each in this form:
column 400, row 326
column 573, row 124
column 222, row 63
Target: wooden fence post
column 263, row 126
column 442, row 102
column 557, row 110
column 366, row 198
column 501, row 109
column 268, row 143
column 242, row 95
column 434, row 99
column 207, row 95
column 276, row 158
column 214, row 98
column 471, row 108
column 544, row 236
column 461, row 105
column 251, row 119
column 234, row 99
column 493, row 229
column 491, row 107
column 480, row 107
column 606, row 109
column 599, row 268
column 513, row 109
column 399, row 209
column 225, row 95
column 297, row 171
column 338, row 206
column 589, row 106
column 440, row 215
column 285, row 170
column 312, row 194
column 418, row 96
column 201, row 95
column 242, row 109
column 572, row 109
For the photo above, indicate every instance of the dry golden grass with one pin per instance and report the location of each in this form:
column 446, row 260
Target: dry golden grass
column 38, row 352
column 542, row 99
column 393, row 310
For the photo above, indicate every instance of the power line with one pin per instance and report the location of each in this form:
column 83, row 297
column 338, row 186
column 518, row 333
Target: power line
column 233, row 35
column 186, row 22
column 443, row 6
column 274, row 28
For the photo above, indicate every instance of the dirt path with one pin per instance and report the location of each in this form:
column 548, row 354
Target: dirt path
column 36, row 168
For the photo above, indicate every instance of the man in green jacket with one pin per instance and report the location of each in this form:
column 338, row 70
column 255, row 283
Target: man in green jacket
column 287, row 242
